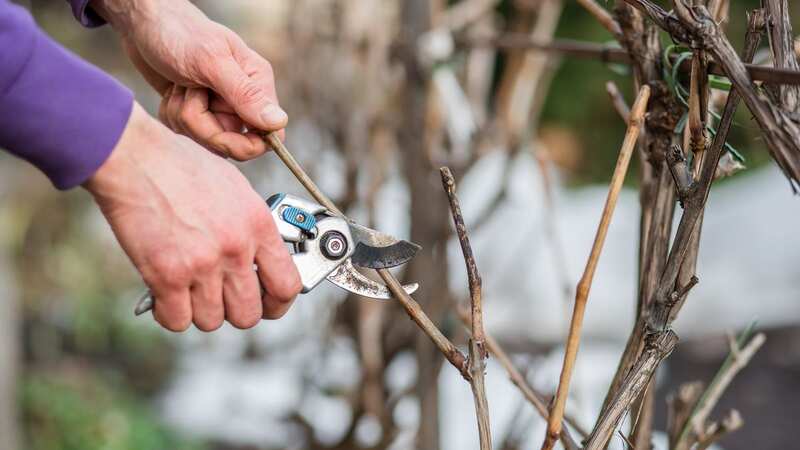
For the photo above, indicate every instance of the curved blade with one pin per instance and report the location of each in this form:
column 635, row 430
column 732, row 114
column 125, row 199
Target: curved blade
column 376, row 250
column 346, row 277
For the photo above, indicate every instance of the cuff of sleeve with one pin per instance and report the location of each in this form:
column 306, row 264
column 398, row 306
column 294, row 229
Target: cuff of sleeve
column 87, row 16
column 62, row 114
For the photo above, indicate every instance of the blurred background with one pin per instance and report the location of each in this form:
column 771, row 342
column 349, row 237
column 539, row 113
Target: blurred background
column 532, row 138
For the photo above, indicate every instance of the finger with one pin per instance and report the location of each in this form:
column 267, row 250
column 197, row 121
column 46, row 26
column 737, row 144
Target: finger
column 218, row 104
column 205, row 127
column 277, row 272
column 247, row 84
column 230, row 122
column 173, row 109
column 222, row 109
column 208, row 309
column 200, row 123
column 241, row 293
column 172, row 309
column 162, row 107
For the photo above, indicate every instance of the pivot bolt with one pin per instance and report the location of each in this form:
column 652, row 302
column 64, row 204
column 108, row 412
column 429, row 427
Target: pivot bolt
column 333, row 245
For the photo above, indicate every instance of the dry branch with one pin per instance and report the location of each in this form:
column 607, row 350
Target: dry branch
column 602, row 16
column 781, row 42
column 412, row 308
column 657, row 348
column 535, row 398
column 741, row 352
column 666, row 295
column 584, row 285
column 593, row 51
column 464, row 13
column 618, row 101
column 716, row 431
column 695, row 26
column 667, row 276
column 477, row 342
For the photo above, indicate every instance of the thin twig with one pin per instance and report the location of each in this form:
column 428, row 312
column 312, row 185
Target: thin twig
column 413, row 309
column 742, row 351
column 618, row 101
column 534, row 397
column 582, row 290
column 716, row 431
column 602, row 16
column 464, row 13
column 477, row 342
column 781, row 42
column 611, row 54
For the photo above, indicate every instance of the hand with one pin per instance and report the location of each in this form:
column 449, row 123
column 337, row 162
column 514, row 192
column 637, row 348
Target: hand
column 214, row 87
column 193, row 226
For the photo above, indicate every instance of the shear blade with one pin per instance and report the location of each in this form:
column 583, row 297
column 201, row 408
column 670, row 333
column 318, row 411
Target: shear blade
column 376, row 250
column 348, row 278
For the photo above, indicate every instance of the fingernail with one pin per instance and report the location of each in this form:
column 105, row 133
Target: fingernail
column 274, row 116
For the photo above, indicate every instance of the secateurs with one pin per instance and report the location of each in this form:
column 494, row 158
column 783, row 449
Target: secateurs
column 326, row 246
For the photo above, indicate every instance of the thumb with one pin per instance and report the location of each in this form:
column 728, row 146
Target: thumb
column 250, row 91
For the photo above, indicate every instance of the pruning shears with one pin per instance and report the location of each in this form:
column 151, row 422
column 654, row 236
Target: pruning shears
column 326, row 246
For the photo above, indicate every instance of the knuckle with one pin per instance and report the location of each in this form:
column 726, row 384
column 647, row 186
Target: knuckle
column 239, row 156
column 262, row 222
column 248, row 92
column 235, row 250
column 205, row 261
column 169, row 271
column 247, row 152
column 185, row 116
column 285, row 289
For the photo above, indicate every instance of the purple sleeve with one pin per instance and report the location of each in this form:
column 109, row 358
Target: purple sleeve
column 85, row 14
column 58, row 112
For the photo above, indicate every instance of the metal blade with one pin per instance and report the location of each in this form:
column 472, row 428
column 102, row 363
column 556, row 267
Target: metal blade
column 376, row 250
column 346, row 277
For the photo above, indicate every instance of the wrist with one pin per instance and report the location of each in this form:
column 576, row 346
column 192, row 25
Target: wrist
column 124, row 161
column 124, row 14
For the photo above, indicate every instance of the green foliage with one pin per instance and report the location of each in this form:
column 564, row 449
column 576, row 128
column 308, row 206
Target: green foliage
column 86, row 412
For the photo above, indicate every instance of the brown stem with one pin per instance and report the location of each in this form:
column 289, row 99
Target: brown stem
column 477, row 342
column 534, row 397
column 734, row 363
column 602, row 16
column 657, row 348
column 695, row 203
column 695, row 25
column 605, row 53
column 618, row 101
column 584, row 285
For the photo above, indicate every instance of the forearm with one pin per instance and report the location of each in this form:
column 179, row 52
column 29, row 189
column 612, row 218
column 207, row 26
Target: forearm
column 56, row 111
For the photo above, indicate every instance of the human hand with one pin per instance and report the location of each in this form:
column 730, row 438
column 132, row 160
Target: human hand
column 193, row 226
column 214, row 87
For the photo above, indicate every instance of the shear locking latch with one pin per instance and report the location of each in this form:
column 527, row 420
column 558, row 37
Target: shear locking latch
column 299, row 218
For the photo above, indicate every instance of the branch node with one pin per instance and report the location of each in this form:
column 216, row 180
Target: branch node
column 679, row 168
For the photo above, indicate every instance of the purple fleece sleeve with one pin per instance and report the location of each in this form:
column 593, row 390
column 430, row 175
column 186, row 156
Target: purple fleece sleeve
column 58, row 112
column 85, row 14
